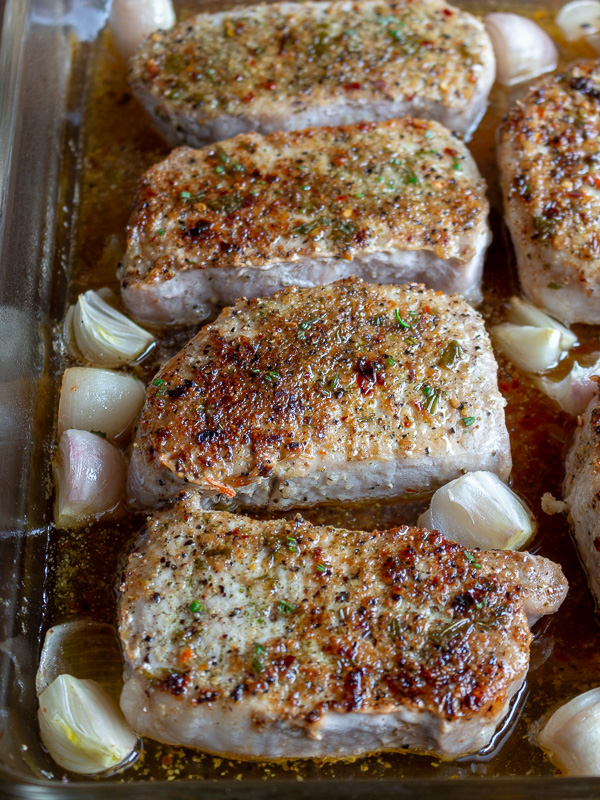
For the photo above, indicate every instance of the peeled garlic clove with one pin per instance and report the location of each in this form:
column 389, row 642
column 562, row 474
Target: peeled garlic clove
column 523, row 313
column 101, row 335
column 89, row 475
column 571, row 737
column 522, row 49
column 84, row 649
column 99, row 400
column 133, row 20
column 580, row 20
column 478, row 510
column 83, row 728
column 574, row 391
column 529, row 348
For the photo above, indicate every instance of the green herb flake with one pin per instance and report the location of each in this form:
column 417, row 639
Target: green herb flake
column 426, row 390
column 391, row 361
column 101, row 434
column 553, row 285
column 450, row 355
column 185, row 195
column 433, row 401
column 395, row 629
column 161, row 232
column 161, row 386
column 411, row 341
column 467, row 421
column 335, row 383
column 196, row 607
column 257, row 665
column 429, row 134
column 471, row 558
column 399, row 320
column 292, row 545
column 321, row 567
column 271, row 376
column 359, row 195
column 259, row 649
column 219, row 169
column 286, row 608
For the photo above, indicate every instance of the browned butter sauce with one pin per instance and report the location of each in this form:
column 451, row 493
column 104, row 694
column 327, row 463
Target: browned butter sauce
column 84, row 567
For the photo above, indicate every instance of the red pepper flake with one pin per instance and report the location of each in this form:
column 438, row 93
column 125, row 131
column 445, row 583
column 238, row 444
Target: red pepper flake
column 248, row 98
column 342, row 198
column 351, row 87
column 152, row 69
column 427, row 44
column 447, row 12
column 270, row 85
column 166, row 761
column 450, row 152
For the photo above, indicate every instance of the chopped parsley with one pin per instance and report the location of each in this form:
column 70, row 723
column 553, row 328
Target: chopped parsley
column 196, row 607
column 468, row 421
column 399, row 320
column 321, row 567
column 391, row 361
column 292, row 545
column 285, row 607
column 271, row 376
column 471, row 558
column 185, row 195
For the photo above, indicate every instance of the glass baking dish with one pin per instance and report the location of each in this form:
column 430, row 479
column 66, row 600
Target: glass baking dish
column 48, row 57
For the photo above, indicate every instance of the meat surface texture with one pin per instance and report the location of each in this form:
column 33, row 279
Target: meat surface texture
column 288, row 66
column 279, row 639
column 390, row 202
column 582, row 492
column 550, row 172
column 341, row 393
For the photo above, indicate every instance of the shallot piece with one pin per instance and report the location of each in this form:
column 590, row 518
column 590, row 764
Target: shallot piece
column 522, row 313
column 99, row 400
column 581, row 20
column 571, row 737
column 132, row 21
column 530, row 348
column 97, row 333
column 83, row 728
column 479, row 510
column 575, row 390
column 89, row 474
column 523, row 50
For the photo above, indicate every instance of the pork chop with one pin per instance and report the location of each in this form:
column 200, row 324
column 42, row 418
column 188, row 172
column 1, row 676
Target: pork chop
column 340, row 393
column 582, row 492
column 549, row 155
column 287, row 66
column 390, row 202
column 281, row 640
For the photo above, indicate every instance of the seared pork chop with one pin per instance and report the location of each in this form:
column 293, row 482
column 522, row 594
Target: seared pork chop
column 280, row 639
column 549, row 156
column 389, row 202
column 339, row 393
column 582, row 492
column 287, row 66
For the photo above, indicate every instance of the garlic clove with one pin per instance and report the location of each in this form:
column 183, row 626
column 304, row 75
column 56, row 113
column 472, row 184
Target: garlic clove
column 529, row 348
column 575, row 390
column 133, row 20
column 479, row 510
column 522, row 49
column 99, row 400
column 85, row 649
column 571, row 737
column 97, row 333
column 83, row 728
column 522, row 313
column 580, row 20
column 89, row 475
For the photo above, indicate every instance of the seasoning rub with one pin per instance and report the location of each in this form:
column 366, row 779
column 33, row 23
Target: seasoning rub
column 390, row 202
